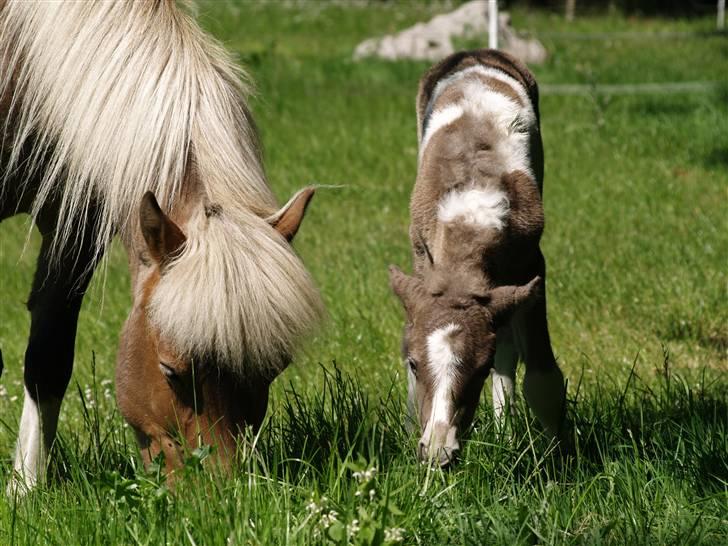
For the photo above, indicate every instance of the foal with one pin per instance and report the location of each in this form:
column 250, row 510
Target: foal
column 476, row 302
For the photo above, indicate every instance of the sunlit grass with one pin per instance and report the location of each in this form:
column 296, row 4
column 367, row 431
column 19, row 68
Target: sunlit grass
column 636, row 244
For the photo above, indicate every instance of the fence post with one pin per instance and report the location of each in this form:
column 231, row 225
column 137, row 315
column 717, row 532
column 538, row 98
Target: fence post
column 493, row 24
column 570, row 9
column 721, row 14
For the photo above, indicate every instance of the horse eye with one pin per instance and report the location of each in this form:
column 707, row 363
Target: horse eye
column 412, row 363
column 167, row 370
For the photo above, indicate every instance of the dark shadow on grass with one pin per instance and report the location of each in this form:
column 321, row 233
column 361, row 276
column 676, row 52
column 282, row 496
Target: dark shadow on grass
column 717, row 157
column 337, row 421
column 681, row 427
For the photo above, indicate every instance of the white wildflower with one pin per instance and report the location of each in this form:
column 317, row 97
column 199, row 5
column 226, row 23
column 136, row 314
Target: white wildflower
column 363, row 476
column 353, row 527
column 313, row 507
column 394, row 534
column 327, row 520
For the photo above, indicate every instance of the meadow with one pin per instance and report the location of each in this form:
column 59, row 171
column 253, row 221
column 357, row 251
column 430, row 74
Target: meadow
column 636, row 242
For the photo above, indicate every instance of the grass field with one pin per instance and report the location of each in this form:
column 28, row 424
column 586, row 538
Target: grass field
column 636, row 197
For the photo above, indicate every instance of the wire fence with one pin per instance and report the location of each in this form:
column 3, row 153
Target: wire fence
column 629, row 89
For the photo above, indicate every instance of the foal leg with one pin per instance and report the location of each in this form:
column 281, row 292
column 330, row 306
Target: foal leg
column 543, row 383
column 504, row 374
column 54, row 304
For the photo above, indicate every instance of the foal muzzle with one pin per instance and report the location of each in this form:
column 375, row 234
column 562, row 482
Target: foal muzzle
column 439, row 445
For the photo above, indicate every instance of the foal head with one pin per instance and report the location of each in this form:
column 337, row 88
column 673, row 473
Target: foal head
column 449, row 346
column 177, row 394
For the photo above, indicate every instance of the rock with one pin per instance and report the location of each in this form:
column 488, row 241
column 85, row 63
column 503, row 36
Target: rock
column 432, row 41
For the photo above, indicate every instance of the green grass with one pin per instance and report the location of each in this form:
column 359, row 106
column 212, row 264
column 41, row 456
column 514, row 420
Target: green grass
column 637, row 246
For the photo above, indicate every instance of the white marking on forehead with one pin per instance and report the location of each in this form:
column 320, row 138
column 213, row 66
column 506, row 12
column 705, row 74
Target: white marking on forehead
column 443, row 364
column 442, row 358
column 487, row 208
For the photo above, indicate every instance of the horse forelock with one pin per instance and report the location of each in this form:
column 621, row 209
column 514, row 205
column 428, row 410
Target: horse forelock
column 237, row 292
column 113, row 99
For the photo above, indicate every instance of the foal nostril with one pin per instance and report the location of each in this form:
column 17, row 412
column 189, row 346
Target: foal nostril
column 422, row 451
column 447, row 457
column 442, row 457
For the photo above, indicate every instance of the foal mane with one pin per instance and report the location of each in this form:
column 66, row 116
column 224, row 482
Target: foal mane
column 114, row 99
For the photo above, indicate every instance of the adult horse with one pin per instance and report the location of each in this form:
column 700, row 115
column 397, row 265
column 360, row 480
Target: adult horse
column 125, row 118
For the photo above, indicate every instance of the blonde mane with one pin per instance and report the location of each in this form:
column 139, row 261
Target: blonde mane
column 118, row 98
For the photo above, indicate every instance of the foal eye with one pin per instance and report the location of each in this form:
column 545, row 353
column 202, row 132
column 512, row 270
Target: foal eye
column 167, row 370
column 412, row 363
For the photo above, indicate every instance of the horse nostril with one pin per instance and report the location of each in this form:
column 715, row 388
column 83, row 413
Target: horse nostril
column 422, row 451
column 448, row 457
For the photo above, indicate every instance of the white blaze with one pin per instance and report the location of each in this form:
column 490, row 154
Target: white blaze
column 443, row 364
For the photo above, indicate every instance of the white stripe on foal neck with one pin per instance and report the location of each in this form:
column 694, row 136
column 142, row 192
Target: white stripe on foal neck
column 487, row 208
column 443, row 364
column 37, row 429
column 513, row 121
column 439, row 119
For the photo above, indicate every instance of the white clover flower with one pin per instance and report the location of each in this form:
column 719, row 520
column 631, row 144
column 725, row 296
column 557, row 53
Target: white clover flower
column 363, row 476
column 13, row 398
column 106, row 382
column 372, row 494
column 353, row 527
column 394, row 534
column 327, row 520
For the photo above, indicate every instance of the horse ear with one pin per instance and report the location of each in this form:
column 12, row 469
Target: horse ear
column 403, row 285
column 504, row 300
column 287, row 220
column 163, row 237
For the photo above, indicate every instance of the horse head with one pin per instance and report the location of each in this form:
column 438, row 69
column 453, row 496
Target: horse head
column 175, row 391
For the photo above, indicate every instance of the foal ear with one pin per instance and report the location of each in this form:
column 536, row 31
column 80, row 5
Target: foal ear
column 504, row 300
column 403, row 285
column 287, row 220
column 161, row 234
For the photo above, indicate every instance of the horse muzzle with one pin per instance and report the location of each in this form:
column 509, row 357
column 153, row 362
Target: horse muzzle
column 439, row 445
